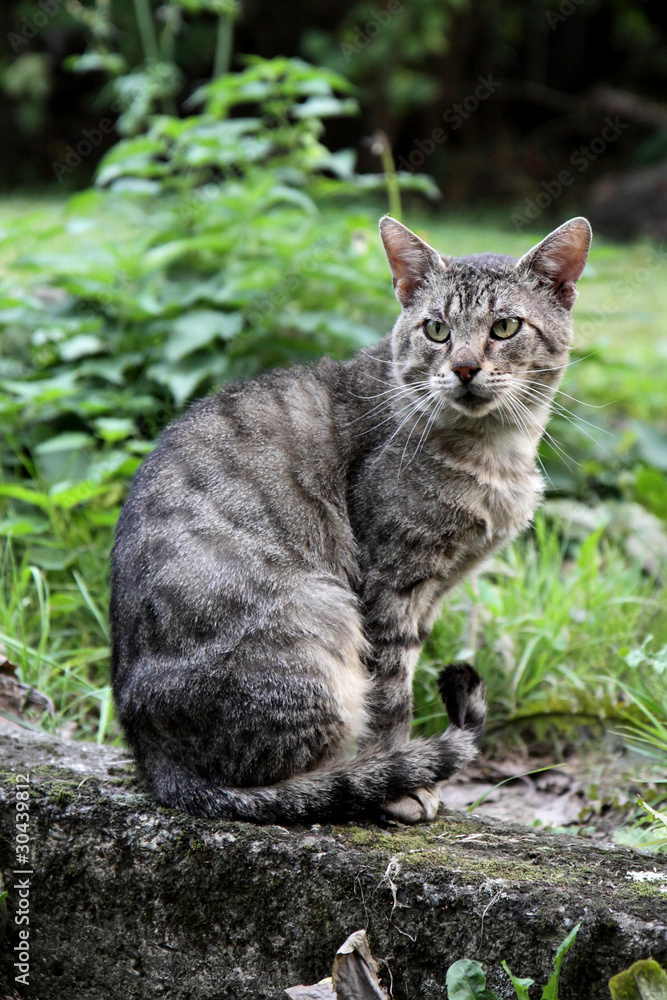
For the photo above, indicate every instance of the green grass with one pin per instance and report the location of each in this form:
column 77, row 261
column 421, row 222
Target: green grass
column 546, row 625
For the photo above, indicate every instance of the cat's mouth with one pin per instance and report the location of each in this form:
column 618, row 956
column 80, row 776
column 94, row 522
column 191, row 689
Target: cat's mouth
column 473, row 401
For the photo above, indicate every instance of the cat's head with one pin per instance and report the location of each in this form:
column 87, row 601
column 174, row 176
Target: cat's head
column 484, row 334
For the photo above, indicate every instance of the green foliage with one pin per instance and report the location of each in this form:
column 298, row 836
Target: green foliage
column 204, row 260
column 544, row 624
column 466, row 979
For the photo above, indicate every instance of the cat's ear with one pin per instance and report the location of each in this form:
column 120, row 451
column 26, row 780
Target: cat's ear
column 410, row 259
column 558, row 261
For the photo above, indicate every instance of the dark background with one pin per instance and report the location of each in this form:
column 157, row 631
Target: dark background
column 559, row 70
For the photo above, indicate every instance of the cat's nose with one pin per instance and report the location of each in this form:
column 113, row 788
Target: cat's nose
column 466, row 370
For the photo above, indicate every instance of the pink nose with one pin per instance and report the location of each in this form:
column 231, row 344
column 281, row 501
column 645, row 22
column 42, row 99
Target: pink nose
column 466, row 371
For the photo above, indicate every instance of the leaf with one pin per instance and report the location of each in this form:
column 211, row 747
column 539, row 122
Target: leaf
column 325, row 107
column 354, row 975
column 198, row 329
column 550, row 991
column 12, row 527
column 69, row 441
column 355, row 970
column 466, row 981
column 25, row 494
column 521, row 986
column 652, row 445
column 659, row 817
column 184, row 378
column 15, row 696
column 81, row 346
column 115, row 428
column 645, row 980
column 318, row 991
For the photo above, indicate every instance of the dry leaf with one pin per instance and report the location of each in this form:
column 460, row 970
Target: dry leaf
column 354, row 975
column 320, row 991
column 355, row 971
column 15, row 697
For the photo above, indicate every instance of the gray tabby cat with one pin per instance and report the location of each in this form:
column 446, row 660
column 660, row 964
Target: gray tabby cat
column 286, row 547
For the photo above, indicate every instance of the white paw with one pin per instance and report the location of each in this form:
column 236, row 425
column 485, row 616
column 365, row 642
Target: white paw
column 417, row 807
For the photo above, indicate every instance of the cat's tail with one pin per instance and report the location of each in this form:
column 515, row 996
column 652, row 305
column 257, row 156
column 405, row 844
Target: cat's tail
column 349, row 788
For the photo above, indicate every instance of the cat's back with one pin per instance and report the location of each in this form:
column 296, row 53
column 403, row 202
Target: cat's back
column 252, row 472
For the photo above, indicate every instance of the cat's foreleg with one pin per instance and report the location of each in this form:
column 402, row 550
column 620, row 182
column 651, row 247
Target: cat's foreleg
column 390, row 710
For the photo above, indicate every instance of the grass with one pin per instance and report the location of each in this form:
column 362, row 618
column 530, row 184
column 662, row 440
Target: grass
column 544, row 625
column 550, row 622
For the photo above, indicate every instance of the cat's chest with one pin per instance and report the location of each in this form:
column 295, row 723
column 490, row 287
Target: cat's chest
column 445, row 518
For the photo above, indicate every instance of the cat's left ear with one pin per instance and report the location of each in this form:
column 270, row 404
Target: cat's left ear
column 410, row 259
column 559, row 259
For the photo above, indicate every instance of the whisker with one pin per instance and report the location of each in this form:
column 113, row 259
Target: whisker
column 557, row 368
column 415, row 408
column 429, row 398
column 391, row 417
column 581, row 402
column 556, row 445
column 400, row 393
column 524, row 431
column 425, row 432
column 562, row 411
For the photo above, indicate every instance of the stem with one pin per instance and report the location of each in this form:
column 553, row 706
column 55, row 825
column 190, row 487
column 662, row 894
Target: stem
column 380, row 147
column 146, row 25
column 223, row 46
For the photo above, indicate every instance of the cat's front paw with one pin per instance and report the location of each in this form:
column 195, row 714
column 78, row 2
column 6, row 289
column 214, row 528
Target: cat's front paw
column 417, row 806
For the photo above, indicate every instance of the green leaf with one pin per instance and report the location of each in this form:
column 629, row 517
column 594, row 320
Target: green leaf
column 198, row 329
column 652, row 445
column 466, row 981
column 25, row 494
column 645, row 980
column 550, row 991
column 521, row 986
column 325, row 107
column 183, row 378
column 12, row 527
column 114, row 428
column 69, row 441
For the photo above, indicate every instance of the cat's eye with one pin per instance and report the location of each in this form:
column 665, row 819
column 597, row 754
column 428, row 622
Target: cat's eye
column 504, row 328
column 436, row 330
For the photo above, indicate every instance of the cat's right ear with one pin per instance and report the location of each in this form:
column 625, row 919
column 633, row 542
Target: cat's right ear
column 410, row 259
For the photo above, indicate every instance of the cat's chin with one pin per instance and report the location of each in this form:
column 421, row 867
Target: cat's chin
column 473, row 405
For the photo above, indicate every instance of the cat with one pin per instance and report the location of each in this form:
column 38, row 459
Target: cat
column 285, row 549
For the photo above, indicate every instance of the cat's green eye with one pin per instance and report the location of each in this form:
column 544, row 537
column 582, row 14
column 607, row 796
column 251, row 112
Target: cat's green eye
column 436, row 330
column 504, row 328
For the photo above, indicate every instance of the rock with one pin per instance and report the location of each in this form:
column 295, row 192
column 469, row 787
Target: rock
column 128, row 900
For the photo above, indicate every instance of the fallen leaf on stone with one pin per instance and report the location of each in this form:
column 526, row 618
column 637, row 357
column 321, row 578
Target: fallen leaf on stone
column 15, row 696
column 355, row 971
column 354, row 975
column 319, row 991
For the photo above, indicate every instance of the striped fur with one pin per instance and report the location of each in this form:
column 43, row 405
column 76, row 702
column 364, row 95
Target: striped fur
column 286, row 547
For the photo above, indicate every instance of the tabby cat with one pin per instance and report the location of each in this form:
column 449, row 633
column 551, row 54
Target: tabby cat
column 285, row 548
